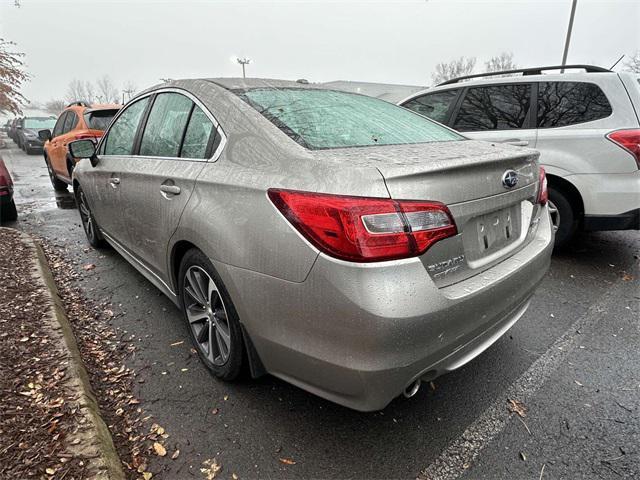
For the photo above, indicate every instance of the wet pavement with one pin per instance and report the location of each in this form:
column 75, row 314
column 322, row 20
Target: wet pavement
column 251, row 426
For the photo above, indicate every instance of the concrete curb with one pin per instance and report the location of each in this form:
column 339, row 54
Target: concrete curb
column 107, row 461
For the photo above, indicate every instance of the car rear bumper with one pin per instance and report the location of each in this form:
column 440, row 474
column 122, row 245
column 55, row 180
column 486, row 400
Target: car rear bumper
column 608, row 195
column 625, row 221
column 359, row 334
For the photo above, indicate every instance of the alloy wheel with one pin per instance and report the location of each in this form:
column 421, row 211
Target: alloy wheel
column 207, row 315
column 555, row 216
column 85, row 216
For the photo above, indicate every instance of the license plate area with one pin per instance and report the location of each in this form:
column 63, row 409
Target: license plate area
column 489, row 233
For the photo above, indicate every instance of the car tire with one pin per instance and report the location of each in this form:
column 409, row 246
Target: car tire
column 58, row 185
column 8, row 212
column 210, row 315
column 89, row 224
column 563, row 217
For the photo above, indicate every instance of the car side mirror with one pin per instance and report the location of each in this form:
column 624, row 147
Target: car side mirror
column 44, row 135
column 84, row 148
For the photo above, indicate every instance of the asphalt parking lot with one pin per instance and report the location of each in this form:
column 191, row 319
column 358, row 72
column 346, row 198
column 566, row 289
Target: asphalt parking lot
column 572, row 361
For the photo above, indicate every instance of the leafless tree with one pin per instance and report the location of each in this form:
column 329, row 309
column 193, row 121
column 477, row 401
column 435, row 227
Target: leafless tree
column 501, row 62
column 107, row 91
column 129, row 90
column 455, row 68
column 80, row 91
column 54, row 107
column 633, row 63
column 12, row 76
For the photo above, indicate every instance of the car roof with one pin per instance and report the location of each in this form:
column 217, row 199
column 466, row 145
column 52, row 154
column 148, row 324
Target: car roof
column 545, row 77
column 249, row 83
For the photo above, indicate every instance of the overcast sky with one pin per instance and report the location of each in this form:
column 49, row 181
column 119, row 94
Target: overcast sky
column 392, row 41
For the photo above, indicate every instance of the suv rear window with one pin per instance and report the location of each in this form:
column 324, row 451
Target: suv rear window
column 320, row 119
column 567, row 103
column 99, row 119
column 499, row 107
column 433, row 105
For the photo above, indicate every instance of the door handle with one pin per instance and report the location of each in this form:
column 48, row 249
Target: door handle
column 170, row 189
column 516, row 142
column 114, row 181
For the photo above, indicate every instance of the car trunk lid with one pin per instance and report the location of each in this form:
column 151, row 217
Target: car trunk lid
column 493, row 214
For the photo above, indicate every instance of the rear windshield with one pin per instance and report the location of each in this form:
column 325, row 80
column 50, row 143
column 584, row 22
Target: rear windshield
column 319, row 119
column 100, row 119
column 39, row 122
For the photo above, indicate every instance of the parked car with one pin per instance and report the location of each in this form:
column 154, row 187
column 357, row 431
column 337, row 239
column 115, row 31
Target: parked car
column 27, row 130
column 13, row 129
column 585, row 125
column 5, row 127
column 8, row 210
column 79, row 120
column 337, row 241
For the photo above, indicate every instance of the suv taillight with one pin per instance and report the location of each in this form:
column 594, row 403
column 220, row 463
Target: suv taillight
column 628, row 139
column 362, row 229
column 543, row 192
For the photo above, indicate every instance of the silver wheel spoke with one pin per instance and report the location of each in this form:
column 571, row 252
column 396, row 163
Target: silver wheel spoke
column 212, row 342
column 196, row 289
column 196, row 314
column 223, row 347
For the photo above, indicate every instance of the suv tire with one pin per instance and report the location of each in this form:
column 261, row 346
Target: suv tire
column 566, row 220
column 58, row 185
column 8, row 212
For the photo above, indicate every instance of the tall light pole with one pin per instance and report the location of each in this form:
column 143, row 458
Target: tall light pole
column 568, row 39
column 243, row 61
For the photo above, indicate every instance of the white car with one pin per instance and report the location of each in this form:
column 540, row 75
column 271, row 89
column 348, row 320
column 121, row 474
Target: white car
column 585, row 124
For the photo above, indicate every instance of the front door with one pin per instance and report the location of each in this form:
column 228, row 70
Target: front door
column 103, row 182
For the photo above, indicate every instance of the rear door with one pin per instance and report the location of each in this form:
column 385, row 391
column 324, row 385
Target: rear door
column 497, row 113
column 54, row 149
column 59, row 158
column 158, row 182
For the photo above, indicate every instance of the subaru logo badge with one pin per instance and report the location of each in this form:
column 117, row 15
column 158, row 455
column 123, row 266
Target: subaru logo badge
column 509, row 179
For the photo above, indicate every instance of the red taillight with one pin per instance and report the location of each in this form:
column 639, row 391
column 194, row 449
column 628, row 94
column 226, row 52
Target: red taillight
column 361, row 229
column 543, row 192
column 629, row 140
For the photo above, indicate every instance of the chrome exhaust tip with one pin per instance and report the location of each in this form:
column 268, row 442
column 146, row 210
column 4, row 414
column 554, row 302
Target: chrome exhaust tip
column 412, row 389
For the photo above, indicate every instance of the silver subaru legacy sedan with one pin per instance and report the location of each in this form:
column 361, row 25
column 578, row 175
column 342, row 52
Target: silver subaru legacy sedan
column 339, row 242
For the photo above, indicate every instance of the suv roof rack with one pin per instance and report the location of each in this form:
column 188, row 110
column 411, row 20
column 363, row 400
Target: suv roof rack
column 79, row 103
column 527, row 71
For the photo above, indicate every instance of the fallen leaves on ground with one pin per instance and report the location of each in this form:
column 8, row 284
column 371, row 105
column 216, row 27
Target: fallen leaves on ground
column 89, row 266
column 287, row 461
column 516, row 406
column 210, row 468
column 39, row 417
column 159, row 449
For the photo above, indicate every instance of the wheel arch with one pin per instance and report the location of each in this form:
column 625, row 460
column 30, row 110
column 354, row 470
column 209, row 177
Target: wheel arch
column 178, row 251
column 572, row 193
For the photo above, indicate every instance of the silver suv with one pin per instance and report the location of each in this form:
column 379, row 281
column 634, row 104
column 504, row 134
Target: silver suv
column 337, row 241
column 584, row 124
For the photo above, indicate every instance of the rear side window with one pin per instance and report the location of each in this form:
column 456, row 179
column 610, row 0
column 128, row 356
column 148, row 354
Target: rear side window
column 166, row 125
column 567, row 103
column 57, row 130
column 196, row 138
column 70, row 122
column 99, row 119
column 433, row 105
column 123, row 132
column 500, row 107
